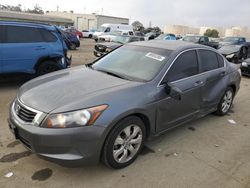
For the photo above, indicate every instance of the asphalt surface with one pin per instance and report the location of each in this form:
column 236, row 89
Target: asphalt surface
column 210, row 152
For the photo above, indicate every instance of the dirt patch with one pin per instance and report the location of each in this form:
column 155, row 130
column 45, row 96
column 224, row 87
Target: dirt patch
column 14, row 156
column 13, row 144
column 42, row 175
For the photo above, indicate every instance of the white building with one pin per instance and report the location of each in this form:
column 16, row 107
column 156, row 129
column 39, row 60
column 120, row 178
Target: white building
column 181, row 30
column 88, row 21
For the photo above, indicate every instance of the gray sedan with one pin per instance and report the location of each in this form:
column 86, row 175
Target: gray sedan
column 106, row 111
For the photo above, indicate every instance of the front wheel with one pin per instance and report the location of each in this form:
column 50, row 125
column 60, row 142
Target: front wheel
column 124, row 143
column 226, row 102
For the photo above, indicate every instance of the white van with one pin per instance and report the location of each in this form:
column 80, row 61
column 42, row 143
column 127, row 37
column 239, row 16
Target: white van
column 110, row 28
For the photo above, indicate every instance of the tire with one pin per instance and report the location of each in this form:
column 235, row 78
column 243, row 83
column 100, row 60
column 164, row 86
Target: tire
column 124, row 143
column 226, row 102
column 90, row 36
column 47, row 67
column 72, row 46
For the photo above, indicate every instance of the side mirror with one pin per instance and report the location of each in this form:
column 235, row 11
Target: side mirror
column 173, row 92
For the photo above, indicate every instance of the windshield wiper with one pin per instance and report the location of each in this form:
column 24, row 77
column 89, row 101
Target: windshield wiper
column 114, row 74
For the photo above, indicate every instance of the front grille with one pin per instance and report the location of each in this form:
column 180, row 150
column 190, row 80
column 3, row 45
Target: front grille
column 24, row 114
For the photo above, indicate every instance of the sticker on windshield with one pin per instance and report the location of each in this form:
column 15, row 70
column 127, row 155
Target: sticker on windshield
column 155, row 56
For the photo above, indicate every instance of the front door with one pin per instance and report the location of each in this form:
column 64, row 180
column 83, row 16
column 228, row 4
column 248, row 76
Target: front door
column 183, row 74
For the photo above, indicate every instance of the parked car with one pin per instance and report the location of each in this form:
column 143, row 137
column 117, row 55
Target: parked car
column 138, row 91
column 71, row 40
column 103, row 48
column 75, row 32
column 167, row 36
column 245, row 67
column 235, row 49
column 151, row 36
column 139, row 34
column 31, row 48
column 87, row 33
column 204, row 40
column 108, row 28
column 112, row 35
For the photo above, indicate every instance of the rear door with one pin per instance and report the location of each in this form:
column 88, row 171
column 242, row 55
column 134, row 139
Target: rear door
column 1, row 47
column 22, row 48
column 213, row 74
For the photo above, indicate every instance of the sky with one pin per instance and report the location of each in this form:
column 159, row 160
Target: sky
column 222, row 13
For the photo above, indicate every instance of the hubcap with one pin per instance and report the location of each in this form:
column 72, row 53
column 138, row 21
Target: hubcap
column 227, row 101
column 127, row 143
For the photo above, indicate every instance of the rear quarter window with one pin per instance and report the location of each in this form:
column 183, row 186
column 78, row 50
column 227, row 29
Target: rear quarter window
column 220, row 60
column 48, row 36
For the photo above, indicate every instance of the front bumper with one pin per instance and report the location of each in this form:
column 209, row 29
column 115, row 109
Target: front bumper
column 74, row 146
column 245, row 70
column 99, row 54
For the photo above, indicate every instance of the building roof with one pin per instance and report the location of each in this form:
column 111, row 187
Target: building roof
column 9, row 15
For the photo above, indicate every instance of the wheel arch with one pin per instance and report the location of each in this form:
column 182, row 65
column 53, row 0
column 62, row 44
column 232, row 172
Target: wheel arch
column 46, row 58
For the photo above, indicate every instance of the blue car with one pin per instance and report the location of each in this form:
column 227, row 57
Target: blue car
column 31, row 48
column 166, row 37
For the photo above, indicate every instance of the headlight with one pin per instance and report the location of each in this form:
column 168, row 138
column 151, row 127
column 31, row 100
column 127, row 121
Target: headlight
column 78, row 118
column 244, row 64
column 230, row 56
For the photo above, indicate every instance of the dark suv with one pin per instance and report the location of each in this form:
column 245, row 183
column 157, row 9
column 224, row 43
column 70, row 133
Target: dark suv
column 31, row 48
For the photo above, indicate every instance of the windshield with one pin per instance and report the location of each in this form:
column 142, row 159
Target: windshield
column 135, row 62
column 191, row 38
column 121, row 39
column 231, row 39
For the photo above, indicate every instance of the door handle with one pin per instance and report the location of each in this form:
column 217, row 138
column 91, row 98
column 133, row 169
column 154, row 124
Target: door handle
column 198, row 83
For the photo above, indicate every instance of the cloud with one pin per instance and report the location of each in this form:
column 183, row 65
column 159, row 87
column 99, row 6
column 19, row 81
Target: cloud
column 159, row 12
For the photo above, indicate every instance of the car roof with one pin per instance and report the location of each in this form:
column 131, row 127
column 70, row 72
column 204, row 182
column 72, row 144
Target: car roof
column 169, row 45
column 28, row 24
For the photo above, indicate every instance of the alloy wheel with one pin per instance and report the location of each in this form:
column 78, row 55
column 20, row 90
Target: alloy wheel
column 227, row 101
column 127, row 143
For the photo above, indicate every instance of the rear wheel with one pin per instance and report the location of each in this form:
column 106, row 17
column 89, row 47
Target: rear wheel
column 124, row 143
column 226, row 102
column 47, row 67
column 90, row 36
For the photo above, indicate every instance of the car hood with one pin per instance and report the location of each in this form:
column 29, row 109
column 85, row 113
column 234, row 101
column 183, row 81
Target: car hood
column 110, row 44
column 230, row 49
column 72, row 86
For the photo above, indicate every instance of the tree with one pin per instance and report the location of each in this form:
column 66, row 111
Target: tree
column 137, row 26
column 212, row 33
column 36, row 10
column 11, row 8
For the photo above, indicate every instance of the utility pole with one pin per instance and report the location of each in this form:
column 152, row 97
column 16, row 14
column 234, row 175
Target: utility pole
column 57, row 8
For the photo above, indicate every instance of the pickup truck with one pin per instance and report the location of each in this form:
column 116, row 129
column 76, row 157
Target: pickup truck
column 235, row 49
column 200, row 40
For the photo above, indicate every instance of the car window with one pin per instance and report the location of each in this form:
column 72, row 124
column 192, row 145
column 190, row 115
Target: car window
column 107, row 30
column 19, row 34
column 220, row 60
column 48, row 36
column 185, row 65
column 208, row 60
column 133, row 39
